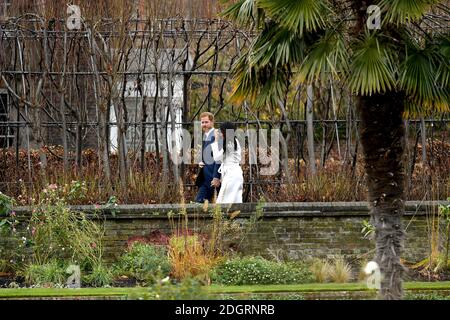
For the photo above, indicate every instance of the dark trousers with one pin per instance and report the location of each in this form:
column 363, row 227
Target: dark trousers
column 205, row 192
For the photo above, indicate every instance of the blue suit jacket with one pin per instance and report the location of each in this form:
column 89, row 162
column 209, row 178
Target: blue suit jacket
column 211, row 168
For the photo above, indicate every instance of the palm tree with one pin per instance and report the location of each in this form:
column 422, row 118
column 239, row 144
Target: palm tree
column 402, row 66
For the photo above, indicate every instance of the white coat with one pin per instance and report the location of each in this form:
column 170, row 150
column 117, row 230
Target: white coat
column 232, row 180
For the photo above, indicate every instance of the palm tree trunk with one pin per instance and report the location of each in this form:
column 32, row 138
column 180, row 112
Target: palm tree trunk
column 382, row 137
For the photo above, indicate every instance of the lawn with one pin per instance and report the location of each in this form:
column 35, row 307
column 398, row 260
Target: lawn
column 213, row 289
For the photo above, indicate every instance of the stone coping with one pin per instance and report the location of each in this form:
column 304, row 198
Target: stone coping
column 269, row 209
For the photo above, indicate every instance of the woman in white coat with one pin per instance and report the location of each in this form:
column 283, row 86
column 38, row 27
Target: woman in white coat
column 232, row 179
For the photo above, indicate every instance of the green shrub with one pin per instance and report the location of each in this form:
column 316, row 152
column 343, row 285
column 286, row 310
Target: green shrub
column 277, row 296
column 49, row 274
column 187, row 289
column 426, row 296
column 53, row 233
column 301, row 271
column 99, row 277
column 4, row 265
column 8, row 221
column 14, row 253
column 143, row 261
column 56, row 232
column 260, row 296
column 6, row 204
column 257, row 270
column 165, row 289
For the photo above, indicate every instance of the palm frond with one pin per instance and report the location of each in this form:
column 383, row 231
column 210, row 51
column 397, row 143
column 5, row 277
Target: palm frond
column 328, row 56
column 244, row 79
column 418, row 73
column 372, row 69
column 404, row 11
column 443, row 44
column 425, row 75
column 261, row 74
column 298, row 15
column 244, row 13
column 278, row 46
column 274, row 89
column 262, row 85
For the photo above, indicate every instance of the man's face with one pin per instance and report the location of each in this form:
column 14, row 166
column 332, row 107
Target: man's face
column 206, row 124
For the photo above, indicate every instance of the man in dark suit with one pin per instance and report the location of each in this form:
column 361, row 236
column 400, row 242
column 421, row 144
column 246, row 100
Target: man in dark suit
column 211, row 176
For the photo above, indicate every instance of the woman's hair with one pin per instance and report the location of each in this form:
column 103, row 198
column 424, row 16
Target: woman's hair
column 228, row 130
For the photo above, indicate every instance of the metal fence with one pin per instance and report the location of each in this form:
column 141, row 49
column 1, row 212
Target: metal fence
column 144, row 79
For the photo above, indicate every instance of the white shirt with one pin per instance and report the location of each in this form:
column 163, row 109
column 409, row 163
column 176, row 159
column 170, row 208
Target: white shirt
column 206, row 135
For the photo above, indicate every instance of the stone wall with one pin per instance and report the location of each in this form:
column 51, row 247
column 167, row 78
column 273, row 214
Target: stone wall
column 287, row 230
